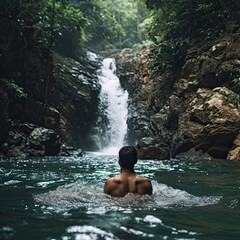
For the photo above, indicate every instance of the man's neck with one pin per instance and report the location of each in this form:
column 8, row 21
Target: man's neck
column 127, row 171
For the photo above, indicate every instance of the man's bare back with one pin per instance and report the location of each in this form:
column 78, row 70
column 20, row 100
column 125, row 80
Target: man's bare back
column 126, row 182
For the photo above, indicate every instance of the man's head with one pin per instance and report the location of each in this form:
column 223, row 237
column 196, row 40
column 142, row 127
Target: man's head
column 127, row 157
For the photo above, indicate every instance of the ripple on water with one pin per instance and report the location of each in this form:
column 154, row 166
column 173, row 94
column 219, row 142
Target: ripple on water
column 89, row 195
column 11, row 182
column 7, row 232
column 87, row 232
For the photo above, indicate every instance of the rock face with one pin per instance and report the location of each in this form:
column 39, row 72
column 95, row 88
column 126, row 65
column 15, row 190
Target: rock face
column 211, row 122
column 62, row 93
column 72, row 101
column 76, row 98
column 196, row 109
column 234, row 153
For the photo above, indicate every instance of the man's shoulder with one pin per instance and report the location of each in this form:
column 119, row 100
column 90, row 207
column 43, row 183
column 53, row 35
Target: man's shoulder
column 145, row 185
column 141, row 179
column 111, row 184
column 115, row 179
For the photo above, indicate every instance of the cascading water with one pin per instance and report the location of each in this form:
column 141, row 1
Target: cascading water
column 113, row 109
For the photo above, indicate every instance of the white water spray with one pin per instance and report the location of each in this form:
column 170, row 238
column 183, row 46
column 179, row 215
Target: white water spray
column 114, row 107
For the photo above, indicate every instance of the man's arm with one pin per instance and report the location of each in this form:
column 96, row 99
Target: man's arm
column 111, row 185
column 107, row 186
column 145, row 187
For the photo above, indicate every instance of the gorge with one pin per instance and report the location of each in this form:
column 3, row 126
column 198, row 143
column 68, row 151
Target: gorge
column 195, row 111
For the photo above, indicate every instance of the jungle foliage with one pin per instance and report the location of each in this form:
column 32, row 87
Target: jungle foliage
column 12, row 88
column 113, row 23
column 118, row 23
column 189, row 19
column 39, row 27
column 102, row 24
column 174, row 25
column 47, row 19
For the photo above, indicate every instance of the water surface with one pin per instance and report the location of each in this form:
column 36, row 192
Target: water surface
column 62, row 198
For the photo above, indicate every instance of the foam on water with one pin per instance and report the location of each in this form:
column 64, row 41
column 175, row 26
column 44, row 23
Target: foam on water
column 89, row 233
column 91, row 197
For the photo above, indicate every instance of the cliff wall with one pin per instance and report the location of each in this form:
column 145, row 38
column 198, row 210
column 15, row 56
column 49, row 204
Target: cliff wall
column 46, row 99
column 194, row 111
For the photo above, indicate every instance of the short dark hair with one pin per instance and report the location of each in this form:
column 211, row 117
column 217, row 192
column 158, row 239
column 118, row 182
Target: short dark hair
column 128, row 157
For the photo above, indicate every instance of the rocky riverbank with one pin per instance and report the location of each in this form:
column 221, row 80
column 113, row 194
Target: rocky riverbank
column 192, row 112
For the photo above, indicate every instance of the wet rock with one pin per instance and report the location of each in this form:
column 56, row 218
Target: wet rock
column 36, row 112
column 76, row 98
column 68, row 104
column 196, row 108
column 31, row 140
column 211, row 122
column 150, row 148
column 4, row 149
column 45, row 140
column 93, row 142
column 192, row 154
column 67, row 150
column 234, row 153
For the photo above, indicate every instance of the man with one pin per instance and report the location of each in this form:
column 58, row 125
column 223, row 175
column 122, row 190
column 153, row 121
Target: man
column 127, row 181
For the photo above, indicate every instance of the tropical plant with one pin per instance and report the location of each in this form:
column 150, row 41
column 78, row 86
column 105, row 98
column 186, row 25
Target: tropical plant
column 12, row 88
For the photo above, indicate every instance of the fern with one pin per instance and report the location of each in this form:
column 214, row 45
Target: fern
column 12, row 88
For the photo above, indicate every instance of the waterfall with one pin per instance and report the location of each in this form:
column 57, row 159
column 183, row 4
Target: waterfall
column 113, row 109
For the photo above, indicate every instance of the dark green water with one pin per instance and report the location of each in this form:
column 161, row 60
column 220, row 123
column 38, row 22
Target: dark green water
column 61, row 198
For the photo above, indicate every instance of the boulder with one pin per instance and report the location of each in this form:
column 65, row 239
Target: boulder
column 26, row 139
column 192, row 154
column 149, row 148
column 211, row 122
column 45, row 140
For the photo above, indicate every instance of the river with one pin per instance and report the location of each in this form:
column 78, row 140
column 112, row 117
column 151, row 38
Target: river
column 62, row 198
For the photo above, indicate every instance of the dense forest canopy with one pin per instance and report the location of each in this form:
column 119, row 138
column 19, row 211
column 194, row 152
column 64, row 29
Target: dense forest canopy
column 106, row 24
column 101, row 24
